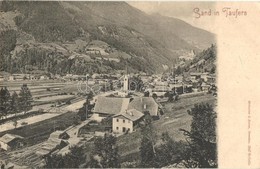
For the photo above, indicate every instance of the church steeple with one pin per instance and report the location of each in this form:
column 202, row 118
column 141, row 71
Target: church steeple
column 126, row 83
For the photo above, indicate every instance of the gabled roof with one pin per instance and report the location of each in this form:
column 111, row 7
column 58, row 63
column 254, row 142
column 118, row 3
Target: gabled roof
column 131, row 114
column 50, row 145
column 56, row 134
column 111, row 105
column 143, row 104
column 9, row 137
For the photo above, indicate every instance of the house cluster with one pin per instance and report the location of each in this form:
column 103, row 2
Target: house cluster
column 22, row 76
column 56, row 141
column 202, row 81
column 126, row 111
column 72, row 77
column 158, row 85
column 194, row 77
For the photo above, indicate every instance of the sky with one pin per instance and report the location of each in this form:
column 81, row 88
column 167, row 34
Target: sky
column 180, row 10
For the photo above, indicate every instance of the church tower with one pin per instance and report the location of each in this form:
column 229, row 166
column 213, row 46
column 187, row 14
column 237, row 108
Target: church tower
column 126, row 83
column 125, row 88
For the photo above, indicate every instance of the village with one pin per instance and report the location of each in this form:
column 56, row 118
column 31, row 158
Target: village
column 74, row 109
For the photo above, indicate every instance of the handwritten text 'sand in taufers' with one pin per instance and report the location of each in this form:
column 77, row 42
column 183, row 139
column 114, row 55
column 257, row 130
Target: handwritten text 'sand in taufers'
column 225, row 11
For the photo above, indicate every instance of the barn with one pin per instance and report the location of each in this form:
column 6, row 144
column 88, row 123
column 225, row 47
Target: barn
column 11, row 141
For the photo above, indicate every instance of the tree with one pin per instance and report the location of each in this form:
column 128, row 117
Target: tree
column 25, row 98
column 147, row 154
column 201, row 138
column 169, row 151
column 54, row 161
column 170, row 95
column 14, row 106
column 178, row 71
column 146, row 94
column 85, row 110
column 105, row 153
column 147, row 148
column 154, row 96
column 73, row 159
column 213, row 70
column 7, row 6
column 90, row 95
column 110, row 84
column 4, row 102
column 2, row 165
column 147, row 118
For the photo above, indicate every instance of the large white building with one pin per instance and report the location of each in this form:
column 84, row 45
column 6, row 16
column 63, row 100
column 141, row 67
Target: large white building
column 126, row 121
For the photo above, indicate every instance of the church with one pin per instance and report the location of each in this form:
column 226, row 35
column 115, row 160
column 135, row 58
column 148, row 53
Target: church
column 125, row 110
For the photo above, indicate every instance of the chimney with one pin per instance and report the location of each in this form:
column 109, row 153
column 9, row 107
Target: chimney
column 144, row 106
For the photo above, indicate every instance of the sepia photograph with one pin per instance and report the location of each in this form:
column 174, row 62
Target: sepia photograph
column 108, row 84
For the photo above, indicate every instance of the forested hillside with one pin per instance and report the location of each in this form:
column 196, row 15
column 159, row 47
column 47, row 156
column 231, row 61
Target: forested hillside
column 204, row 61
column 59, row 37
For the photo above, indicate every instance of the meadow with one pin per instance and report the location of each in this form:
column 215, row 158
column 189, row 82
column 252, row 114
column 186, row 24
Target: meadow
column 175, row 118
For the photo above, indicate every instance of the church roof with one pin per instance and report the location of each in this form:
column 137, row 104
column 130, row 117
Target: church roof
column 111, row 105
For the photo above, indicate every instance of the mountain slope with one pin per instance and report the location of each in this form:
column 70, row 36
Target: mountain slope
column 194, row 36
column 56, row 31
column 204, row 61
column 123, row 14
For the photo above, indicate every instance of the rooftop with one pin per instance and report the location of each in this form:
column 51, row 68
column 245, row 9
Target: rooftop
column 131, row 114
column 144, row 104
column 9, row 137
column 111, row 105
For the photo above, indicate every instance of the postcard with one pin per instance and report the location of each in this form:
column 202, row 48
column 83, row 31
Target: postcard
column 129, row 84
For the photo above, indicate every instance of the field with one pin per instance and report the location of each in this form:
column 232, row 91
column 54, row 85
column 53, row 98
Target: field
column 174, row 118
column 28, row 121
column 38, row 87
column 45, row 93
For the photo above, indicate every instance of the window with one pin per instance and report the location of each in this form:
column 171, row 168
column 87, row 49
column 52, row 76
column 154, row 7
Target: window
column 124, row 129
column 116, row 128
column 123, row 121
column 117, row 120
